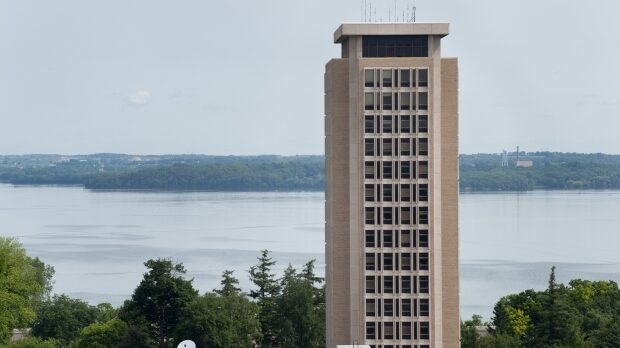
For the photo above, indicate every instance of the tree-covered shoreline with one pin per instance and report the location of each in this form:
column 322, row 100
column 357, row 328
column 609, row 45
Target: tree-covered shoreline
column 478, row 172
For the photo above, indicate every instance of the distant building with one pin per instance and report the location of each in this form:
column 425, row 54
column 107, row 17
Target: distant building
column 525, row 163
column 391, row 103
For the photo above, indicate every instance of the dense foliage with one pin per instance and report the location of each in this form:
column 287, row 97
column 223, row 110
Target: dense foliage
column 581, row 314
column 182, row 172
column 550, row 171
column 217, row 177
column 24, row 283
column 166, row 309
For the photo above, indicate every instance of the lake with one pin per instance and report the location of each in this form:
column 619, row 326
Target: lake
column 97, row 241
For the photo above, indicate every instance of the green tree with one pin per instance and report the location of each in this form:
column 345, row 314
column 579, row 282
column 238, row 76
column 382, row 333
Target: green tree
column 229, row 284
column 102, row 335
column 223, row 318
column 500, row 340
column 265, row 295
column 23, row 282
column 469, row 334
column 33, row 342
column 300, row 312
column 62, row 318
column 160, row 299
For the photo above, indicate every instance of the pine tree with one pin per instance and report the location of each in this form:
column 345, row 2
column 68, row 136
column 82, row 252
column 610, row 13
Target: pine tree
column 265, row 295
column 229, row 284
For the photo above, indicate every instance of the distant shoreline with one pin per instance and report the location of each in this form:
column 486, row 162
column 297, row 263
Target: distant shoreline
column 201, row 173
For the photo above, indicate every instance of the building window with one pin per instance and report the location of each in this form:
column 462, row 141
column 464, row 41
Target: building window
column 423, row 219
column 387, row 169
column 369, row 78
column 388, row 261
column 370, row 284
column 369, row 101
column 404, row 78
column 406, row 331
column 422, row 78
column 369, row 170
column 406, row 284
column 388, row 239
column 388, row 216
column 370, row 215
column 369, row 191
column 405, row 147
column 387, row 77
column 423, row 124
column 405, row 193
column 371, row 331
column 405, row 264
column 369, row 147
column 405, row 215
column 423, row 193
column 369, row 124
column 405, row 101
column 423, row 261
column 387, row 124
column 424, row 307
column 424, row 284
column 370, row 307
column 405, row 308
column 423, row 238
column 387, row 101
column 405, row 239
column 388, row 331
column 388, row 307
column 370, row 238
column 370, row 261
column 387, row 192
column 374, row 46
column 423, row 101
column 405, row 124
column 405, row 172
column 423, row 147
column 387, row 147
column 425, row 330
column 423, row 170
column 388, row 284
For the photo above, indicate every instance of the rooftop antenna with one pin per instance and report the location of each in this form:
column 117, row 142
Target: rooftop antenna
column 395, row 11
column 407, row 14
column 370, row 14
column 413, row 14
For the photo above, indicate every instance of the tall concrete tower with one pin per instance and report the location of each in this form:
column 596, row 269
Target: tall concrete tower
column 391, row 104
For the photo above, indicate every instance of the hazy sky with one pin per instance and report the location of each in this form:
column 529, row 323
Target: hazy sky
column 246, row 77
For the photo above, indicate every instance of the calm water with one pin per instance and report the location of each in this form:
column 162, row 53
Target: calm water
column 97, row 241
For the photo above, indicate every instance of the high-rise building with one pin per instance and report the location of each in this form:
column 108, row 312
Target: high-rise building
column 391, row 104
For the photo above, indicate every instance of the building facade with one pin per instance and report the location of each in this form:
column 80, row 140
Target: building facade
column 391, row 142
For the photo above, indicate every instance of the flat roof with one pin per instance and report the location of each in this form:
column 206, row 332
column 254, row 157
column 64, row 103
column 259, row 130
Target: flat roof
column 418, row 28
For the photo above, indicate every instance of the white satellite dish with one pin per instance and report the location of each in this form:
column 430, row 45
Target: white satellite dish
column 187, row 344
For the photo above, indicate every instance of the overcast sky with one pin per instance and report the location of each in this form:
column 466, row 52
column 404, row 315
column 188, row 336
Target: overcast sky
column 246, row 77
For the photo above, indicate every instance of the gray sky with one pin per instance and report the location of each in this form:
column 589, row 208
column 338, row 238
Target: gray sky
column 246, row 77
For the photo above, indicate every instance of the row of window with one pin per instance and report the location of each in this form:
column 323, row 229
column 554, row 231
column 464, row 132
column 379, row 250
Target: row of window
column 397, row 330
column 395, row 169
column 397, row 261
column 396, row 216
column 394, row 307
column 390, row 101
column 395, row 193
column 396, row 238
column 397, row 284
column 395, row 147
column 389, row 78
column 388, row 124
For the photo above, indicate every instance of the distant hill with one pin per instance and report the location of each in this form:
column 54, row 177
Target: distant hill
column 478, row 172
